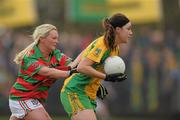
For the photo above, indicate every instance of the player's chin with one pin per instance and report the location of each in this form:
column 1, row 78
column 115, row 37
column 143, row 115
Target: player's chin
column 125, row 41
column 53, row 48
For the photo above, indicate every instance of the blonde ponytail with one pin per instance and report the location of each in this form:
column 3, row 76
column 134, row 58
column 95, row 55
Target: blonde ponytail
column 40, row 31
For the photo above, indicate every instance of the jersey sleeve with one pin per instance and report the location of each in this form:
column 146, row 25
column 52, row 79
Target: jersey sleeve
column 96, row 53
column 31, row 66
column 62, row 59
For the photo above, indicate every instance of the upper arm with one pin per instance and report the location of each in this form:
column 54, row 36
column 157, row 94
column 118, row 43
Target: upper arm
column 95, row 54
column 86, row 62
column 63, row 60
column 44, row 71
column 31, row 66
column 92, row 55
column 86, row 67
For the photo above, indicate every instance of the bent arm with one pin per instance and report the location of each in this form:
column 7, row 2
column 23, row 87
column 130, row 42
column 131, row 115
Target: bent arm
column 85, row 66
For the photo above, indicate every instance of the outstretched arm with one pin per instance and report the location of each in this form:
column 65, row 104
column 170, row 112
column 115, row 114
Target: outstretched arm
column 53, row 73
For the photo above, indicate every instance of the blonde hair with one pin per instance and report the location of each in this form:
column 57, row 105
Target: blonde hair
column 40, row 31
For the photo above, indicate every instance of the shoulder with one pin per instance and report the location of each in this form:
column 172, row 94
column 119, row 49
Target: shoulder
column 28, row 60
column 30, row 57
column 98, row 42
column 58, row 53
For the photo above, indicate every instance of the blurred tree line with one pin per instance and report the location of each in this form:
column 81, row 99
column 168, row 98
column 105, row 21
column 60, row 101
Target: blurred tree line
column 54, row 12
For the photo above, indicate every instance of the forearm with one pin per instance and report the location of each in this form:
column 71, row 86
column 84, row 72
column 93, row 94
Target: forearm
column 89, row 70
column 53, row 73
column 76, row 61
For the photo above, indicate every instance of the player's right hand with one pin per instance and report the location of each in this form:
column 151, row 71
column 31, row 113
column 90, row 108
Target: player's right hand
column 117, row 77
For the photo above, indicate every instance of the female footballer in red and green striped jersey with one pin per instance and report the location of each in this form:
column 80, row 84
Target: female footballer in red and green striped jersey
column 41, row 64
column 79, row 91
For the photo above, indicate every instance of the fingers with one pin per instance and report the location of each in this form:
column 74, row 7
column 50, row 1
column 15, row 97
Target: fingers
column 102, row 92
column 123, row 76
column 115, row 75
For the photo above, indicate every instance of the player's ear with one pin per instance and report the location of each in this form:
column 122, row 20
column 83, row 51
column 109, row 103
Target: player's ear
column 117, row 28
column 41, row 39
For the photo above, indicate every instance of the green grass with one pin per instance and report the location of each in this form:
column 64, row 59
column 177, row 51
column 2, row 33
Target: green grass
column 56, row 118
column 120, row 118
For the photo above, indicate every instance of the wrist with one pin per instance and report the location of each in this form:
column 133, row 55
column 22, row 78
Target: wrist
column 68, row 73
column 105, row 76
column 69, row 68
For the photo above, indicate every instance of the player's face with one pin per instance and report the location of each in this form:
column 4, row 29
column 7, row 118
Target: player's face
column 51, row 40
column 123, row 34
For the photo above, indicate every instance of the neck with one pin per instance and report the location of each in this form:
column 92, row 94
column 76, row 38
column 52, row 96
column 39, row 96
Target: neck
column 45, row 52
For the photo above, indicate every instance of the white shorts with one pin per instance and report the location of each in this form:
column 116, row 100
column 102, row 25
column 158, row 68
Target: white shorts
column 20, row 108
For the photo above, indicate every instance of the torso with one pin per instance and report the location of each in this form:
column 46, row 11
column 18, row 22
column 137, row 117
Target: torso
column 31, row 85
column 83, row 84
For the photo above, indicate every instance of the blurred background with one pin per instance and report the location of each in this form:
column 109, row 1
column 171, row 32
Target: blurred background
column 152, row 56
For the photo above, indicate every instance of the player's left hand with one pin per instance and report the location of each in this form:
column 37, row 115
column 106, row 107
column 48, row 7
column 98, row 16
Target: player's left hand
column 102, row 92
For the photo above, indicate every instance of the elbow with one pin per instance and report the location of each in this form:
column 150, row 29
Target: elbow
column 80, row 68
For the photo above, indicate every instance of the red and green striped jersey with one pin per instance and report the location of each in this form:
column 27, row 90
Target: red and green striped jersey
column 29, row 84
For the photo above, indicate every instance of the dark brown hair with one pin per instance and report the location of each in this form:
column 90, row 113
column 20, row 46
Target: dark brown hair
column 109, row 24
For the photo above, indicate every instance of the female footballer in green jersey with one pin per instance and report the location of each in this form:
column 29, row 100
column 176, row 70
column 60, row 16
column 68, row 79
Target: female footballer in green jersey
column 79, row 92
